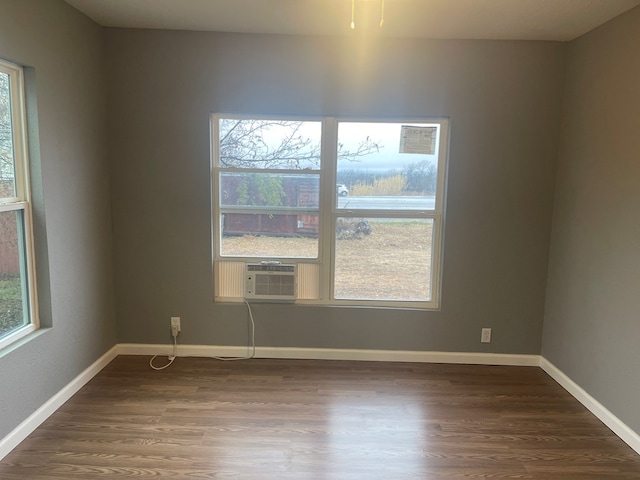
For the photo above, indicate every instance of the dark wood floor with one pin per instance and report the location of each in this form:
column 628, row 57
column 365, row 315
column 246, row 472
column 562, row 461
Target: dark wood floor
column 300, row 419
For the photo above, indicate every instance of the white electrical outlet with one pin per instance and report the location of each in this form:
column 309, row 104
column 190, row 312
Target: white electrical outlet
column 175, row 322
column 485, row 337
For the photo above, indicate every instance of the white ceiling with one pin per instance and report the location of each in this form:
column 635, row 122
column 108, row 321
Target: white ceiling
column 465, row 19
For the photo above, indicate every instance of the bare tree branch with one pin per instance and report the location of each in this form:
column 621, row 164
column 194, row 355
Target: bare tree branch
column 254, row 144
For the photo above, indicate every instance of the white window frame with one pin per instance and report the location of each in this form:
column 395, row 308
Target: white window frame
column 22, row 199
column 329, row 212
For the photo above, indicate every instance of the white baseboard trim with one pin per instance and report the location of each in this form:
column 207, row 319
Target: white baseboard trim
column 618, row 427
column 334, row 354
column 22, row 431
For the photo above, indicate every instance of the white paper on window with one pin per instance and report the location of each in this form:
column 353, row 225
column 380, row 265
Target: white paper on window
column 420, row 140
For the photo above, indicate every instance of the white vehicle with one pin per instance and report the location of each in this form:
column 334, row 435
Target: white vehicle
column 342, row 190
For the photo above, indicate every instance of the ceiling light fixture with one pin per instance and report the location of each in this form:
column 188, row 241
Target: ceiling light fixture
column 353, row 14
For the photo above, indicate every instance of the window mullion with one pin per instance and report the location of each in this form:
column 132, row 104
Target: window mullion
column 328, row 205
column 387, row 213
column 8, row 206
column 279, row 171
column 266, row 209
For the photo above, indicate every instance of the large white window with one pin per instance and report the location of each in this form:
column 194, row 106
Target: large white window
column 18, row 312
column 356, row 205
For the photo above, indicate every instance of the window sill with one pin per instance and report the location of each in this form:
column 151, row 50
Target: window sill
column 362, row 304
column 18, row 339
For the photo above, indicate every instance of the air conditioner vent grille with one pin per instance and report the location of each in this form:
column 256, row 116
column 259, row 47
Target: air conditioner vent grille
column 270, row 282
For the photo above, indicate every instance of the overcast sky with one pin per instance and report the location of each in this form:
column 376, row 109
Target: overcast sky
column 387, row 135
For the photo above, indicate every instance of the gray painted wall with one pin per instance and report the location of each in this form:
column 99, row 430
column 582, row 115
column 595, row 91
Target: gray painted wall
column 64, row 51
column 592, row 317
column 504, row 100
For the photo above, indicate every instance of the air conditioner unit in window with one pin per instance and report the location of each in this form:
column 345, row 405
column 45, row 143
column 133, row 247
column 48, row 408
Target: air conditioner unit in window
column 270, row 281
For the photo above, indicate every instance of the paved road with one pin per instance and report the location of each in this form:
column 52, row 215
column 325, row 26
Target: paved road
column 408, row 203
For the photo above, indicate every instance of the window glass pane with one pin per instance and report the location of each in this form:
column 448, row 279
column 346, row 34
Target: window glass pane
column 13, row 300
column 7, row 177
column 268, row 235
column 272, row 144
column 387, row 165
column 383, row 259
column 266, row 189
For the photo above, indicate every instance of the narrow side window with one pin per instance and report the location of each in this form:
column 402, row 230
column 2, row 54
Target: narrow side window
column 18, row 312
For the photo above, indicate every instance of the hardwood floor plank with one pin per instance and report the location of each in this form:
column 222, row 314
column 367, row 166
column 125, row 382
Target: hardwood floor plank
column 302, row 419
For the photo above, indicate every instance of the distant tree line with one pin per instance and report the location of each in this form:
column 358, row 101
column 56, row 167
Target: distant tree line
column 418, row 178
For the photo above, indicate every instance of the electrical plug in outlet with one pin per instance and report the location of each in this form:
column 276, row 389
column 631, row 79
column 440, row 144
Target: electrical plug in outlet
column 175, row 326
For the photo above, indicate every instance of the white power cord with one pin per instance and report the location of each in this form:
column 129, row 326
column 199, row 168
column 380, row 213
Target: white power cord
column 174, row 334
column 253, row 340
column 171, row 358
